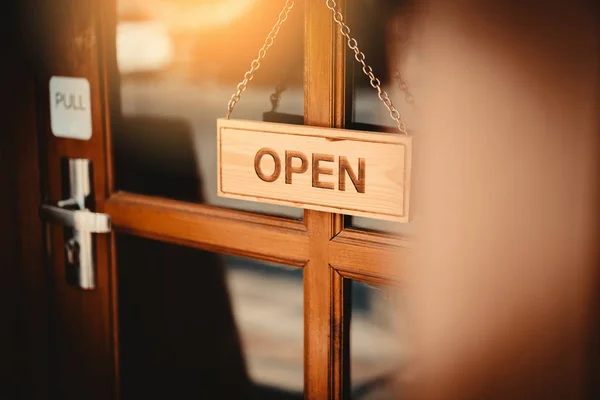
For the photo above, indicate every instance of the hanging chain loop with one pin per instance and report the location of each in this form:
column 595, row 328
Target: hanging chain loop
column 352, row 44
column 255, row 64
column 368, row 71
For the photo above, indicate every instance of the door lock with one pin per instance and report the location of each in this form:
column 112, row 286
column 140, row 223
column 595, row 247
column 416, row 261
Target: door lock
column 80, row 223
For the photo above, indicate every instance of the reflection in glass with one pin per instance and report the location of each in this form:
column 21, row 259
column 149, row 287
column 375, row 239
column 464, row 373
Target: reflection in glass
column 195, row 324
column 395, row 228
column 384, row 31
column 378, row 345
column 268, row 304
column 383, row 28
column 177, row 65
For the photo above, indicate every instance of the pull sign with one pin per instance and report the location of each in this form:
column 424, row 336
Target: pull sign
column 70, row 112
column 358, row 173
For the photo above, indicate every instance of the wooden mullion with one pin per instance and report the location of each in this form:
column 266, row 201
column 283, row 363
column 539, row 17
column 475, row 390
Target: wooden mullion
column 372, row 279
column 326, row 353
column 108, row 72
column 340, row 349
column 323, row 295
column 210, row 228
column 370, row 256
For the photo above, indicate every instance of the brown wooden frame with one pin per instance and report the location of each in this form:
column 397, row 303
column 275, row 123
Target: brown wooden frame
column 330, row 254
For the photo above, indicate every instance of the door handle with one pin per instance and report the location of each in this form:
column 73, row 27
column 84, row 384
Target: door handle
column 83, row 220
column 79, row 221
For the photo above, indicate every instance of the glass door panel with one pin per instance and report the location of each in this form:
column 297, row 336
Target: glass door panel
column 177, row 65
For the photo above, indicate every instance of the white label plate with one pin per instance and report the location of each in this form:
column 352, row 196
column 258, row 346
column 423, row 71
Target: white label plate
column 70, row 108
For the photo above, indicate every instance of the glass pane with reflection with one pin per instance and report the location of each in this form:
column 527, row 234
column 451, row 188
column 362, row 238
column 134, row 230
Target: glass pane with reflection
column 394, row 228
column 177, row 65
column 196, row 324
column 383, row 29
column 378, row 343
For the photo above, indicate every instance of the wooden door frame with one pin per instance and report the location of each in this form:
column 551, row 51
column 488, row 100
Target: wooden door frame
column 23, row 312
column 331, row 254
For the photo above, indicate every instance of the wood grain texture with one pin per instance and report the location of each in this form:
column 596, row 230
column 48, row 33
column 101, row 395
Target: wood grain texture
column 340, row 344
column 83, row 362
column 86, row 326
column 326, row 370
column 235, row 232
column 323, row 351
column 335, row 170
column 370, row 257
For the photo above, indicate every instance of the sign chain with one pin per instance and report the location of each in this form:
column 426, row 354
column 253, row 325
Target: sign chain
column 241, row 87
column 360, row 57
column 352, row 44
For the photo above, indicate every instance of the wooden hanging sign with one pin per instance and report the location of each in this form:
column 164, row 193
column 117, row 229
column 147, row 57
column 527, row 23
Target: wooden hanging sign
column 358, row 173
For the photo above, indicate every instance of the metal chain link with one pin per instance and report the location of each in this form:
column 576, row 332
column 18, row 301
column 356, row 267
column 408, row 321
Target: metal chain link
column 360, row 57
column 352, row 44
column 255, row 64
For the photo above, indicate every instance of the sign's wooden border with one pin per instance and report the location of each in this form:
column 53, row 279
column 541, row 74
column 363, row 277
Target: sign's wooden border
column 239, row 140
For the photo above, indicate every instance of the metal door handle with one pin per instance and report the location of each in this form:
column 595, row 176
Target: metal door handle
column 82, row 220
column 79, row 222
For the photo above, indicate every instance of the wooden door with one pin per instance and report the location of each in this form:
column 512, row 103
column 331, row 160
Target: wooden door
column 122, row 338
